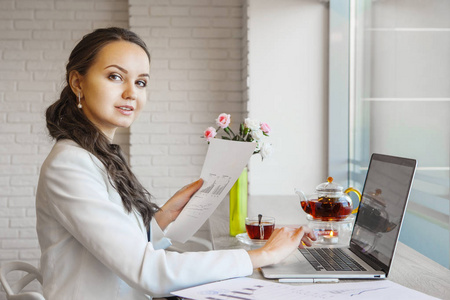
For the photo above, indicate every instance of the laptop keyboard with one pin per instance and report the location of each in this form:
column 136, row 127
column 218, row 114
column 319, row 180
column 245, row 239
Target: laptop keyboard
column 330, row 259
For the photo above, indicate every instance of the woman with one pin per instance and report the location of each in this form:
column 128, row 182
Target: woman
column 93, row 214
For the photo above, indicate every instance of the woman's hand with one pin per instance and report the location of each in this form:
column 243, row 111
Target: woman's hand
column 172, row 208
column 281, row 243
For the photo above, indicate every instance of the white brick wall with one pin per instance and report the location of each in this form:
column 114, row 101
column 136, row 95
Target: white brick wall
column 36, row 38
column 196, row 74
column 198, row 58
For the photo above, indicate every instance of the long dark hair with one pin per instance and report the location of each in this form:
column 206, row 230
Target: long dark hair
column 66, row 121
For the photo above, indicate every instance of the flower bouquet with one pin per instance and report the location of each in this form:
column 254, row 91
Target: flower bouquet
column 250, row 130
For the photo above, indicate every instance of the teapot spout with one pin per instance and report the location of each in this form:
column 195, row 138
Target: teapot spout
column 303, row 201
column 301, row 194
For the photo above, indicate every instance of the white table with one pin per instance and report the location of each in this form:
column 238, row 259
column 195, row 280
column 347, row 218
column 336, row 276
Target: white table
column 410, row 268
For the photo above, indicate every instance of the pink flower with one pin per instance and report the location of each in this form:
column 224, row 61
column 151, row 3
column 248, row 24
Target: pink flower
column 265, row 128
column 223, row 120
column 210, row 133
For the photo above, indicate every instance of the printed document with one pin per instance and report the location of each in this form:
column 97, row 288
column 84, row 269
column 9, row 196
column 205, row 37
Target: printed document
column 245, row 288
column 223, row 165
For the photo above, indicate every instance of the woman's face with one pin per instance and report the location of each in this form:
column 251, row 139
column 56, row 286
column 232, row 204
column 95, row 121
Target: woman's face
column 114, row 88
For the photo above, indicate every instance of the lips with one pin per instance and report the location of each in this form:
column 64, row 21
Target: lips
column 125, row 109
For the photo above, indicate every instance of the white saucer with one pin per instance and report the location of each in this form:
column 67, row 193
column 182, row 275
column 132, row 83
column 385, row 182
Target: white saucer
column 243, row 238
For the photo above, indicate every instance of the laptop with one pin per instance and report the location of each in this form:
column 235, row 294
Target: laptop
column 375, row 233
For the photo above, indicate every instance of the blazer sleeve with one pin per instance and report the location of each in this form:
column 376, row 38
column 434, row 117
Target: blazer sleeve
column 76, row 190
column 157, row 237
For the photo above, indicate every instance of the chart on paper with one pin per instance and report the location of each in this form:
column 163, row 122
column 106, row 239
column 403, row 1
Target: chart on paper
column 215, row 184
column 241, row 289
column 244, row 293
column 214, row 187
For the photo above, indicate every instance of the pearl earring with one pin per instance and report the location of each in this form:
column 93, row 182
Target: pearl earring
column 79, row 101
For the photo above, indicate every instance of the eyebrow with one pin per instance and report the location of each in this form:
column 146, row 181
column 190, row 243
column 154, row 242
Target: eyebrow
column 125, row 71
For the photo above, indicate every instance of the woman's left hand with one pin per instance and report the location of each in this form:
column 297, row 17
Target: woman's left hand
column 172, row 208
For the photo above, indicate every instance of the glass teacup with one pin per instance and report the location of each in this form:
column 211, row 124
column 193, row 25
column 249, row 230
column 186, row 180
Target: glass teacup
column 259, row 231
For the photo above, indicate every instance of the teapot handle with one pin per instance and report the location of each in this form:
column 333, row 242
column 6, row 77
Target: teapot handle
column 350, row 189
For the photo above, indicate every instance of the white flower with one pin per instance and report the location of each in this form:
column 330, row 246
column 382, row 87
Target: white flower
column 266, row 150
column 252, row 124
column 257, row 134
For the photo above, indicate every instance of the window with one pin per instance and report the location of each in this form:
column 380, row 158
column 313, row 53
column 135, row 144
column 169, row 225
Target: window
column 398, row 103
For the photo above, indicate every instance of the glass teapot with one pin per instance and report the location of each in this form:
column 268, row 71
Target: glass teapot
column 329, row 203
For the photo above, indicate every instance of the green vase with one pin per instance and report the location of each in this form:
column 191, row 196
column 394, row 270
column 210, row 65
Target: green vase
column 238, row 204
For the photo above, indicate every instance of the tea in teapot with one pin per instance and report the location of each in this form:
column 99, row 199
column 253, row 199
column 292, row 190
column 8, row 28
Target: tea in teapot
column 327, row 209
column 329, row 203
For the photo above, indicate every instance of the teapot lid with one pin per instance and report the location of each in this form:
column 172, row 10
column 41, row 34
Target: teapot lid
column 329, row 186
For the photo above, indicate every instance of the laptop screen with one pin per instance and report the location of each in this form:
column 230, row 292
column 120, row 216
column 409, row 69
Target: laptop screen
column 383, row 204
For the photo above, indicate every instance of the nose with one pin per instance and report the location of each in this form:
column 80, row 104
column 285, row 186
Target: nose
column 130, row 92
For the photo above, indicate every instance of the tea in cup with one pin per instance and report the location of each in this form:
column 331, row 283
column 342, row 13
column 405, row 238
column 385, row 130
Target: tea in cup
column 259, row 229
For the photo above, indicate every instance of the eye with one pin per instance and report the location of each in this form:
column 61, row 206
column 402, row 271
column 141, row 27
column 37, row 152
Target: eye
column 115, row 77
column 141, row 83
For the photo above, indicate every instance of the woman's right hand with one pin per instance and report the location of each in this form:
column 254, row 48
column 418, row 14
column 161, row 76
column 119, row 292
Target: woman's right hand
column 173, row 207
column 281, row 244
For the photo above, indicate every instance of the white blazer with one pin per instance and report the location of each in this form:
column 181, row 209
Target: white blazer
column 93, row 249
